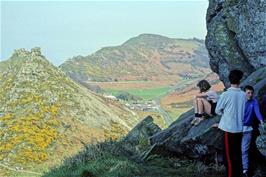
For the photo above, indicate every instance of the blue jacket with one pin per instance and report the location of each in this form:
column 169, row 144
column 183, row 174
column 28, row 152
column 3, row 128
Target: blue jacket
column 251, row 110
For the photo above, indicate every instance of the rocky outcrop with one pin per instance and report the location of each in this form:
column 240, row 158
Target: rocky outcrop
column 236, row 36
column 180, row 139
column 140, row 135
column 183, row 139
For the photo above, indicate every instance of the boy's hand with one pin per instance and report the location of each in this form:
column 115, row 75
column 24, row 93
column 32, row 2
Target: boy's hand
column 262, row 125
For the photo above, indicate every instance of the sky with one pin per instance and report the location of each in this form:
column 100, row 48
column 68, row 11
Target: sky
column 64, row 29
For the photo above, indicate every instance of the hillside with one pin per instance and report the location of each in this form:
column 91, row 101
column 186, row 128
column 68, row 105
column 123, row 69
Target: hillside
column 145, row 57
column 45, row 116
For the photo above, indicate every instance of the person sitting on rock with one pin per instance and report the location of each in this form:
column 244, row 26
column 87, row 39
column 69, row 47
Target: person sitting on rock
column 205, row 102
column 251, row 111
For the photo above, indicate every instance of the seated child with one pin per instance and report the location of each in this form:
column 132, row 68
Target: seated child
column 205, row 102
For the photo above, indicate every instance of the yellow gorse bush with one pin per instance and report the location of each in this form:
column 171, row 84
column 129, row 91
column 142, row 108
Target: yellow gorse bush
column 26, row 138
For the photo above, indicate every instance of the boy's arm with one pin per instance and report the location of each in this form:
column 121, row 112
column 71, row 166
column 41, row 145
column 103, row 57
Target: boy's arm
column 220, row 105
column 257, row 111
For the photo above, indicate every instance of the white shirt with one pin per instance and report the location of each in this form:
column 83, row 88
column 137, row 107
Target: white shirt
column 212, row 95
column 231, row 106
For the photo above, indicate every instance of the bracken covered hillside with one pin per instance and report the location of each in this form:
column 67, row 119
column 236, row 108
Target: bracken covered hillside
column 145, row 57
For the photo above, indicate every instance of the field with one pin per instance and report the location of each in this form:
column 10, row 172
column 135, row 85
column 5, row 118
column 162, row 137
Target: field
column 138, row 84
column 145, row 94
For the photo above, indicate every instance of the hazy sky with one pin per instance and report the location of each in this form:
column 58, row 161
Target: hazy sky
column 64, row 29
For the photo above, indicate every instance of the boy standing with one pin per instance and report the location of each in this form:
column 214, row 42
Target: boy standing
column 251, row 111
column 231, row 106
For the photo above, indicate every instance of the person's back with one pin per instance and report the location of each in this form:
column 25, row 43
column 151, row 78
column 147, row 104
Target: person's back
column 232, row 107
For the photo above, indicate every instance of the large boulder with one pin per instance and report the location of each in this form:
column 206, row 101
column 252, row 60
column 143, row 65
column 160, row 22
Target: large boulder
column 180, row 139
column 236, row 36
column 183, row 139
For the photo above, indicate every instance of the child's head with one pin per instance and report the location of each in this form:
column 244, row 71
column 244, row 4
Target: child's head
column 249, row 91
column 203, row 85
column 235, row 76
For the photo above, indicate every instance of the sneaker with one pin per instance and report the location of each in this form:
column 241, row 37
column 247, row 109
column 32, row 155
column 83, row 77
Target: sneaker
column 245, row 174
column 198, row 121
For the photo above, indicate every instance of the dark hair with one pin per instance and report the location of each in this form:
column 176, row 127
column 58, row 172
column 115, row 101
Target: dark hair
column 235, row 76
column 249, row 87
column 203, row 85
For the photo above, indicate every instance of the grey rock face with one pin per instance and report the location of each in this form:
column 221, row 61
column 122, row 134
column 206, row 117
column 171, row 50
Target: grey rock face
column 140, row 135
column 183, row 139
column 236, row 37
column 257, row 79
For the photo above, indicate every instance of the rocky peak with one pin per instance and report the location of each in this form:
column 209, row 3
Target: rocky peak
column 23, row 53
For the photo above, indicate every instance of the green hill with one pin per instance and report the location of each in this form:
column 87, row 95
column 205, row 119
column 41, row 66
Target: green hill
column 45, row 116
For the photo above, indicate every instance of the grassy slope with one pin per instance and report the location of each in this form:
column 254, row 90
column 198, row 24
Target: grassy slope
column 43, row 113
column 113, row 159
